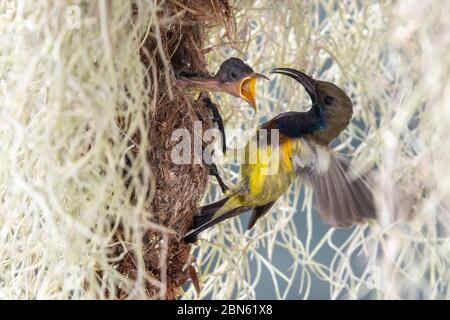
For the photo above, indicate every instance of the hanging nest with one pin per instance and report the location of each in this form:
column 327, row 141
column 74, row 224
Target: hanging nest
column 168, row 48
column 93, row 205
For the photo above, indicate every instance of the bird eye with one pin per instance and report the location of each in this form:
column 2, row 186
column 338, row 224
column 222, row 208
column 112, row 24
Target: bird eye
column 328, row 100
column 233, row 75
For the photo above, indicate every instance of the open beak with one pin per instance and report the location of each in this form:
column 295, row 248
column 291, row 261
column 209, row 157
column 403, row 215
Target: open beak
column 306, row 81
column 244, row 88
column 247, row 88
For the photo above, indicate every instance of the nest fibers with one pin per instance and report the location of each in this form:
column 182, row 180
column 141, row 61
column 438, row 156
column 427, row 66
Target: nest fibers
column 91, row 203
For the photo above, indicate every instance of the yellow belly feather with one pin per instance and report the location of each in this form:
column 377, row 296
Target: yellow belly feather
column 268, row 178
column 271, row 175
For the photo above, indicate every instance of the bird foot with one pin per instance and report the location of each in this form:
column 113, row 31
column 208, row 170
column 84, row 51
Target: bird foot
column 213, row 171
column 217, row 118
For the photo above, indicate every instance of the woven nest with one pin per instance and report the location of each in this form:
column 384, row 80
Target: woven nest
column 179, row 188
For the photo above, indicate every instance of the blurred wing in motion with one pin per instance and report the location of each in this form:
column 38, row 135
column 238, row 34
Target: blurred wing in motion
column 342, row 197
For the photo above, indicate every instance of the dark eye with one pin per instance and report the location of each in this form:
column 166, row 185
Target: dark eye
column 328, row 100
column 233, row 75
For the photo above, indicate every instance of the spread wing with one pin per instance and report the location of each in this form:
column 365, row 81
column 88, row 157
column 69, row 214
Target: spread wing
column 342, row 197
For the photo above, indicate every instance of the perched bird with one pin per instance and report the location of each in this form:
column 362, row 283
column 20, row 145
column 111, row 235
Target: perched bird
column 302, row 150
column 234, row 77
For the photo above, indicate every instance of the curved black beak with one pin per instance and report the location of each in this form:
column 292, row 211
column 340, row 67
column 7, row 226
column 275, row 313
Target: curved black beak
column 306, row 81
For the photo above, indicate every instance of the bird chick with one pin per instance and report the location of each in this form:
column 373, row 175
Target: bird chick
column 234, row 77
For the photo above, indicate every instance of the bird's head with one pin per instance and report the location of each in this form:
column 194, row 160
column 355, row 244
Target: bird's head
column 238, row 79
column 234, row 77
column 331, row 103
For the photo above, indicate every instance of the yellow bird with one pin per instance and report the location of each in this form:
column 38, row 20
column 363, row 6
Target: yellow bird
column 297, row 145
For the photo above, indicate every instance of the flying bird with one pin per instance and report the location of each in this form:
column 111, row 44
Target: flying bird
column 301, row 150
column 234, row 77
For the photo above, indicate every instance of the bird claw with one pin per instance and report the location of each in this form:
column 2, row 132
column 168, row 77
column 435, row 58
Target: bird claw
column 213, row 171
column 217, row 118
column 195, row 281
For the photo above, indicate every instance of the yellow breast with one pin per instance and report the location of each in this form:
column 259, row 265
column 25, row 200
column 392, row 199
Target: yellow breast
column 272, row 169
column 286, row 154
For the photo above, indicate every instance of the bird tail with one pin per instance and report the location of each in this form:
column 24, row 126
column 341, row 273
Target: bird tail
column 258, row 212
column 212, row 214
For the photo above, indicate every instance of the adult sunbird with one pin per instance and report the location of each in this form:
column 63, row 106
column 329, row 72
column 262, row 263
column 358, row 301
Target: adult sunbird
column 234, row 77
column 342, row 197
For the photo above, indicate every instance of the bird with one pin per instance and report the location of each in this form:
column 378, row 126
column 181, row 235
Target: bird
column 342, row 196
column 234, row 77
